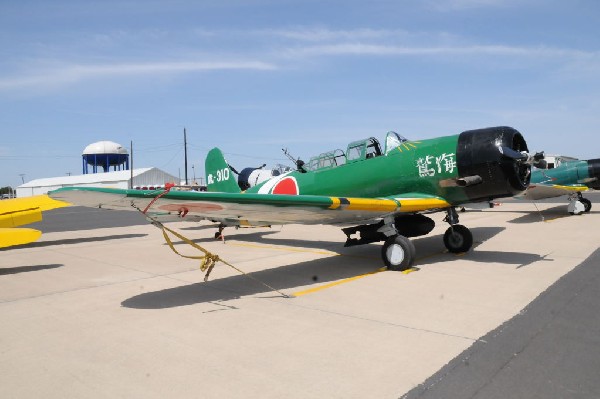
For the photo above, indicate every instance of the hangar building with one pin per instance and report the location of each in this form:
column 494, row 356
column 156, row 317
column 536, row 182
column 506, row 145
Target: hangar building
column 101, row 157
column 142, row 177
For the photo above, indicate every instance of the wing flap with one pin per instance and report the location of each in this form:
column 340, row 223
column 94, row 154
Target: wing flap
column 20, row 217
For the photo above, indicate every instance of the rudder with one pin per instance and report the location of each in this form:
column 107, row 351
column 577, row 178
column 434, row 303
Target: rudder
column 219, row 177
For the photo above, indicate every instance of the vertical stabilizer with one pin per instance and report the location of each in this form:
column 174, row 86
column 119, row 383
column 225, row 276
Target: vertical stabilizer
column 219, row 177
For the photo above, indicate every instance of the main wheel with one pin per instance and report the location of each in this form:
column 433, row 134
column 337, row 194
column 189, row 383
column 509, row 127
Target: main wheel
column 587, row 204
column 458, row 239
column 398, row 253
column 577, row 207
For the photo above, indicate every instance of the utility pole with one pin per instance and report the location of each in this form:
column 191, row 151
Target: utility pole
column 131, row 165
column 22, row 177
column 185, row 155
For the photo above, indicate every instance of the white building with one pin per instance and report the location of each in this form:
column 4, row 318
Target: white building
column 143, row 177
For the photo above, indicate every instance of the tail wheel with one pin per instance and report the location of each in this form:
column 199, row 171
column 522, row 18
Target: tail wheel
column 458, row 239
column 398, row 253
column 587, row 204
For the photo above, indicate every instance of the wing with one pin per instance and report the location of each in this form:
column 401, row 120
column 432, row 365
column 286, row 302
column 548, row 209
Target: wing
column 20, row 211
column 250, row 209
column 537, row 191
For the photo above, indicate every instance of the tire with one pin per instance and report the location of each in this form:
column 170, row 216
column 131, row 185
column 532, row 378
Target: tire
column 587, row 204
column 458, row 239
column 577, row 207
column 398, row 253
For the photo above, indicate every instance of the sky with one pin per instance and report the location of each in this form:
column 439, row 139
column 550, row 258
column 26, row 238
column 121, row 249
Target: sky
column 255, row 76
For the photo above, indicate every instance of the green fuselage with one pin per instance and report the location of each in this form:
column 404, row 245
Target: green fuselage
column 568, row 173
column 412, row 167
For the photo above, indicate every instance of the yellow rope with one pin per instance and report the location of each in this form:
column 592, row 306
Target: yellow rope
column 208, row 260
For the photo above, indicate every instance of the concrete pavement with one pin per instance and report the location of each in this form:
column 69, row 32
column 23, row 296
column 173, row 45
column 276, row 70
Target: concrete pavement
column 112, row 312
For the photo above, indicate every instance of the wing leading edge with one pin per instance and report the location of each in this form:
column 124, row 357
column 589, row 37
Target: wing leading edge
column 539, row 191
column 246, row 208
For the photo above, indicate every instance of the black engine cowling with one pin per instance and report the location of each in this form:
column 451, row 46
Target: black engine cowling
column 594, row 172
column 496, row 155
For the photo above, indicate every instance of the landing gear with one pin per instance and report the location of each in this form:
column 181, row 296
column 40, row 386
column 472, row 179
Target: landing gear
column 219, row 234
column 587, row 204
column 457, row 238
column 398, row 253
column 578, row 204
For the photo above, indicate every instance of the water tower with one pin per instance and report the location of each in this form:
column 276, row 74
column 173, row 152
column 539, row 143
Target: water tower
column 105, row 154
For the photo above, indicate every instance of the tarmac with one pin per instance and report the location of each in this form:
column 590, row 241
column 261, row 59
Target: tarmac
column 100, row 307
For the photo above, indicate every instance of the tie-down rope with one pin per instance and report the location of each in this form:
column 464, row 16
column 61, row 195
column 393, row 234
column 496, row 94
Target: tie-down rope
column 208, row 260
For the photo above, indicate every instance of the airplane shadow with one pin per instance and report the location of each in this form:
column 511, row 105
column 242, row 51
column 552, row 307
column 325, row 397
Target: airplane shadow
column 202, row 227
column 68, row 241
column 26, row 269
column 534, row 216
column 282, row 278
column 262, row 237
column 289, row 277
column 480, row 235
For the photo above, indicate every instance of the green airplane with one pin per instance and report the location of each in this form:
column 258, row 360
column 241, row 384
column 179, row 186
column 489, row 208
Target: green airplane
column 374, row 193
column 559, row 175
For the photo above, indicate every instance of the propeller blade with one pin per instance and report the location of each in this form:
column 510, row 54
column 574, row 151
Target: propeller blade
column 513, row 154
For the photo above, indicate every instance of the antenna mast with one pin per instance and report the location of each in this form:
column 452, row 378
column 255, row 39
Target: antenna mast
column 185, row 155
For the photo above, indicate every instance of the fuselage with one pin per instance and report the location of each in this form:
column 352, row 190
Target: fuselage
column 428, row 167
column 570, row 172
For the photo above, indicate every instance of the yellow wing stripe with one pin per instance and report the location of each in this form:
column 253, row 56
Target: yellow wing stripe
column 366, row 204
column 571, row 188
column 388, row 205
column 335, row 203
column 421, row 204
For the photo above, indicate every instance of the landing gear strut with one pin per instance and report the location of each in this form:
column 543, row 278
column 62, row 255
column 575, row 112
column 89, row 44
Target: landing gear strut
column 457, row 238
column 219, row 234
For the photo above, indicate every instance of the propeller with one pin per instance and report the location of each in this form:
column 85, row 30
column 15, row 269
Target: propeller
column 536, row 159
column 513, row 154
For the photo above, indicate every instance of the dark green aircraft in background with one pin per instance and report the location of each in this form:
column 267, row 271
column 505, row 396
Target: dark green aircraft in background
column 374, row 193
column 559, row 175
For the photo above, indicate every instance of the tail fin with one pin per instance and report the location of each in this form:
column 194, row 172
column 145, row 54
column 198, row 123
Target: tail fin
column 219, row 176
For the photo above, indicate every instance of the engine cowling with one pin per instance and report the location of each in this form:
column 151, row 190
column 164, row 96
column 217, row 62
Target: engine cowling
column 499, row 155
column 594, row 173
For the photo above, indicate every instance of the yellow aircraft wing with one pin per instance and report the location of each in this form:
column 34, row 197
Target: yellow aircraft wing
column 21, row 211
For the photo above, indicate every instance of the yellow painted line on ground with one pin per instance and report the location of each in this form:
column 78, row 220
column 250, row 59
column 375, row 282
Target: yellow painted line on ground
column 346, row 280
column 547, row 220
column 286, row 249
column 292, row 249
column 336, row 283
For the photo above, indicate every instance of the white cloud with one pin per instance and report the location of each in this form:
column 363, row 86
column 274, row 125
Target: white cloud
column 450, row 5
column 59, row 75
column 393, row 50
column 323, row 34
